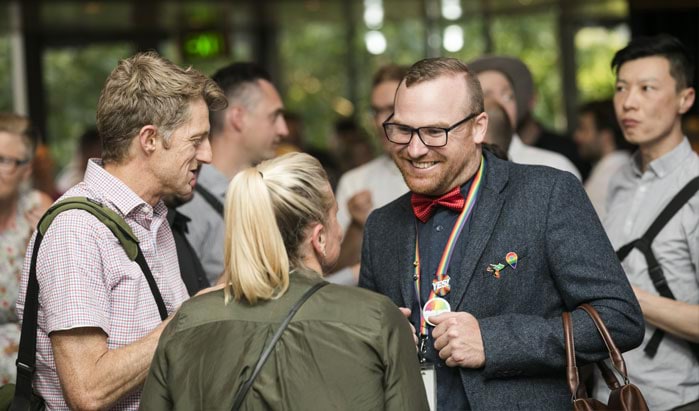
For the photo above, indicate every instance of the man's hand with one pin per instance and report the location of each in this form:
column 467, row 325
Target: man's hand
column 406, row 312
column 457, row 337
column 359, row 207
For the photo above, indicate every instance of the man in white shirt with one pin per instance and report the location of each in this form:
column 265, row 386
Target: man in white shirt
column 508, row 81
column 653, row 91
column 371, row 185
column 600, row 141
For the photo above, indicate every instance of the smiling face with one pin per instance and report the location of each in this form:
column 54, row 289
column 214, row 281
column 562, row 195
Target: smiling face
column 176, row 164
column 648, row 104
column 441, row 102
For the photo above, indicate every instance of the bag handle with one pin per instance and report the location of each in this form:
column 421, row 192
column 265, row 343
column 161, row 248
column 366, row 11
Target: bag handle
column 573, row 379
column 614, row 353
column 245, row 387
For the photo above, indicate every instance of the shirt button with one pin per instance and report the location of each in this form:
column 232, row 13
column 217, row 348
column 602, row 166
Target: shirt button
column 439, row 228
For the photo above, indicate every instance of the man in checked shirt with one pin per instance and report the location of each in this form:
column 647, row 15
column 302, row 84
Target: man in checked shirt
column 98, row 321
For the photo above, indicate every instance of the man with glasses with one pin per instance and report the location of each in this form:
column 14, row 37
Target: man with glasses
column 373, row 184
column 500, row 249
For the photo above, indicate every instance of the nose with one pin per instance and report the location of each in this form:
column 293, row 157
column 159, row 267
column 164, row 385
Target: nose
column 204, row 154
column 282, row 129
column 416, row 148
column 630, row 99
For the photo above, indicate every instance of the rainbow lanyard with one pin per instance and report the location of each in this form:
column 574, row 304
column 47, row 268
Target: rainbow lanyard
column 451, row 243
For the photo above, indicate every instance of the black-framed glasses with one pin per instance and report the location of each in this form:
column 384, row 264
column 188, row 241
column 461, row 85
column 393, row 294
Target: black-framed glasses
column 10, row 164
column 430, row 136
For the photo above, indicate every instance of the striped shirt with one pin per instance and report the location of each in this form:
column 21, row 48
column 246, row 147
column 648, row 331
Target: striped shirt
column 86, row 279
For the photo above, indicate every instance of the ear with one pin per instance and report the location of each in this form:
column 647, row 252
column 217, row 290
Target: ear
column 147, row 138
column 686, row 99
column 236, row 117
column 318, row 239
column 480, row 126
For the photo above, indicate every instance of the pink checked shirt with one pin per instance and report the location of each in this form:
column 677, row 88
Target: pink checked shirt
column 86, row 279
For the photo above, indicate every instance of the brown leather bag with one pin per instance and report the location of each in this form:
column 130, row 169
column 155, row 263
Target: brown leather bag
column 625, row 397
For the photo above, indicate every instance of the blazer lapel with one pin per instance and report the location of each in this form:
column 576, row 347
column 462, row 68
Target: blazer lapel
column 488, row 206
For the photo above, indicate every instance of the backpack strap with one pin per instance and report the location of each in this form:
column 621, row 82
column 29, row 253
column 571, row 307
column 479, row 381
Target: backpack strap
column 655, row 271
column 214, row 202
column 26, row 357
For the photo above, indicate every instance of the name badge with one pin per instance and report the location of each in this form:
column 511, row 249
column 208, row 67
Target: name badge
column 429, row 379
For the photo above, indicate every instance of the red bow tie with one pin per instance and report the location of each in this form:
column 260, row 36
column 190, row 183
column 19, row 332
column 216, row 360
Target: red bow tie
column 423, row 206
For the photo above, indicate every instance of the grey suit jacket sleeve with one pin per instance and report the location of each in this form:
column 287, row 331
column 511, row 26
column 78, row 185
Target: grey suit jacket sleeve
column 584, row 268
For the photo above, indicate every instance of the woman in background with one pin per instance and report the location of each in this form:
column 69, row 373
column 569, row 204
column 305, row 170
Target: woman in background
column 346, row 348
column 20, row 210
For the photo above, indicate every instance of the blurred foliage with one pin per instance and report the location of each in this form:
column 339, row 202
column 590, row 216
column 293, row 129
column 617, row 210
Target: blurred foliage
column 6, row 103
column 316, row 54
column 315, row 76
column 74, row 78
column 595, row 47
column 404, row 46
column 534, row 39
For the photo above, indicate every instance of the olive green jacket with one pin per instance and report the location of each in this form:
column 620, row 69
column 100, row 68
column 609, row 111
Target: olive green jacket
column 346, row 349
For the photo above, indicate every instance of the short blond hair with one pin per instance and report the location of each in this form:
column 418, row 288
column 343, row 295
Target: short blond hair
column 149, row 89
column 268, row 211
column 20, row 125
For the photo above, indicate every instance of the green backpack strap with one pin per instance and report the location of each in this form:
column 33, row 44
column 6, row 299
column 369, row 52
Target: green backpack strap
column 26, row 356
column 107, row 216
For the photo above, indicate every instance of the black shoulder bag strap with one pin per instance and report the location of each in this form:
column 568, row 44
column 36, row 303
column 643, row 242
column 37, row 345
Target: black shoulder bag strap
column 26, row 356
column 214, row 202
column 655, row 272
column 245, row 387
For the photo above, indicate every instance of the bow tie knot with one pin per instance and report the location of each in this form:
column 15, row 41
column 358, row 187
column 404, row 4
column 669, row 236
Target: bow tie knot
column 424, row 206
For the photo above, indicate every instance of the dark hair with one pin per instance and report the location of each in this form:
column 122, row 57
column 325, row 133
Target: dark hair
column 664, row 45
column 602, row 112
column 236, row 80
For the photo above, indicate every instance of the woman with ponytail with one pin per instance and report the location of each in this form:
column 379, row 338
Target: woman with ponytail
column 346, row 348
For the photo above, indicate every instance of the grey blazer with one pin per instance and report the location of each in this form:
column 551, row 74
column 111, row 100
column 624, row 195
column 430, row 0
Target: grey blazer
column 564, row 259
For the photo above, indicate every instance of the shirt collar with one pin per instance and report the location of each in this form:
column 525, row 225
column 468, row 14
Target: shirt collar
column 665, row 164
column 111, row 189
column 515, row 145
